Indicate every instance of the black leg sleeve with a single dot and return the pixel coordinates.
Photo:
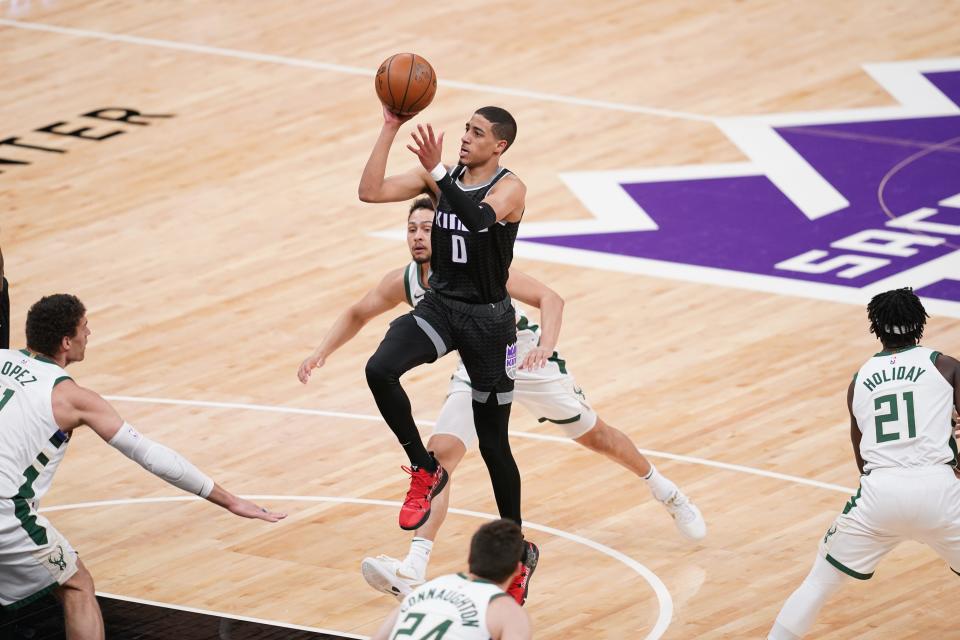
(4, 315)
(491, 420)
(404, 347)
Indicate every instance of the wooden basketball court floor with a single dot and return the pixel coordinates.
(215, 246)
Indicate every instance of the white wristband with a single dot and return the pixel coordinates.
(438, 172)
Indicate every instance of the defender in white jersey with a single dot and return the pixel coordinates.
(543, 385)
(901, 404)
(40, 406)
(473, 606)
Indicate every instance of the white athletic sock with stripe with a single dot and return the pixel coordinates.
(660, 487)
(419, 556)
(800, 610)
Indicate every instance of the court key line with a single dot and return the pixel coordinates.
(346, 69)
(521, 434)
(664, 600)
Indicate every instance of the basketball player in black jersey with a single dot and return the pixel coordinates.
(479, 207)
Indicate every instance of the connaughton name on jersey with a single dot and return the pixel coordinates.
(896, 373)
(464, 604)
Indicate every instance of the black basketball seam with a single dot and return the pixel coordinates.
(413, 59)
(387, 74)
(417, 101)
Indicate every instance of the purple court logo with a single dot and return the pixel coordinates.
(510, 362)
(835, 205)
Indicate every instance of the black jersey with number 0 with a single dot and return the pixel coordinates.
(471, 267)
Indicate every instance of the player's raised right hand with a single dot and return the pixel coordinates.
(308, 365)
(394, 119)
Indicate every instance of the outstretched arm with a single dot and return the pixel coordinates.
(531, 291)
(383, 297)
(505, 200)
(855, 434)
(374, 187)
(74, 406)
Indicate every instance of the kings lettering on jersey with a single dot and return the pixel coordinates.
(448, 220)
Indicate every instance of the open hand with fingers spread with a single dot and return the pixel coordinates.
(429, 146)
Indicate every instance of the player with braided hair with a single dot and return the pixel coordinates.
(901, 403)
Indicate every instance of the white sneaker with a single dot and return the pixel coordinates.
(686, 516)
(389, 576)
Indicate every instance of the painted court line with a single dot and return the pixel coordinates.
(664, 600)
(520, 434)
(220, 614)
(345, 69)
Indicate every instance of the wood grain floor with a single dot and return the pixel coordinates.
(213, 248)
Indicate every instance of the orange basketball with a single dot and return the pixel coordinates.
(406, 83)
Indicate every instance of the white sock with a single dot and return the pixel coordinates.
(800, 610)
(418, 557)
(660, 487)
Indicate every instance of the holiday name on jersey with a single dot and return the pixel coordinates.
(896, 373)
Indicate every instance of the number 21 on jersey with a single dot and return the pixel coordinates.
(887, 410)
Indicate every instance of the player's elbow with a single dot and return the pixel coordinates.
(366, 194)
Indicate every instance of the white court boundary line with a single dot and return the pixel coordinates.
(521, 434)
(345, 69)
(220, 614)
(664, 600)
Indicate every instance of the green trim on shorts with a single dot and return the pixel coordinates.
(852, 502)
(562, 364)
(567, 421)
(847, 570)
(31, 598)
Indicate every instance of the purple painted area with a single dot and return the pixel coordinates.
(946, 289)
(747, 224)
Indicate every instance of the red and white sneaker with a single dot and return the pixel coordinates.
(520, 586)
(423, 487)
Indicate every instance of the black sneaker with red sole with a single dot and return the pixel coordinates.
(520, 586)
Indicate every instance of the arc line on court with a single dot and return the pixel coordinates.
(520, 434)
(346, 69)
(664, 600)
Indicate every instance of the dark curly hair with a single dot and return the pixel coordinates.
(420, 203)
(50, 320)
(897, 317)
(495, 550)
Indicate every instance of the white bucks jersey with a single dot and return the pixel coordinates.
(903, 407)
(451, 607)
(528, 334)
(31, 443)
(413, 286)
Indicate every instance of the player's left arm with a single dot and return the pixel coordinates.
(504, 201)
(383, 633)
(529, 290)
(855, 434)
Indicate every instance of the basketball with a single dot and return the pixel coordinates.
(406, 83)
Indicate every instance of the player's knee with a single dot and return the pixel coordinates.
(379, 373)
(448, 450)
(80, 584)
